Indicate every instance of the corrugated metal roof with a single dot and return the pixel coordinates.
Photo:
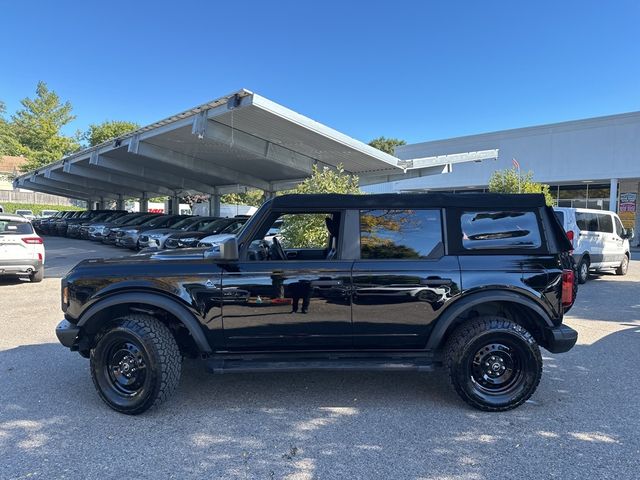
(237, 139)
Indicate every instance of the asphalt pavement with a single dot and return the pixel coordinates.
(583, 422)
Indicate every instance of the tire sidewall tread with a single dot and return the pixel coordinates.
(456, 351)
(164, 358)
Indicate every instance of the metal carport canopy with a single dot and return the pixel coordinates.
(241, 139)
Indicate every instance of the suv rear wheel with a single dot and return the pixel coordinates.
(37, 276)
(494, 364)
(583, 270)
(624, 265)
(136, 364)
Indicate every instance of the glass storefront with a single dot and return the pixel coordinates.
(587, 195)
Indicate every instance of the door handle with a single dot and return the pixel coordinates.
(326, 283)
(435, 282)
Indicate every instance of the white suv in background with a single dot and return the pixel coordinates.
(21, 249)
(599, 240)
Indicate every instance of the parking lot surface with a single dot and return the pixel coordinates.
(583, 422)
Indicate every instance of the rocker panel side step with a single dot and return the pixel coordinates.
(270, 364)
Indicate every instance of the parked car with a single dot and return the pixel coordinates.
(105, 218)
(110, 234)
(21, 249)
(221, 226)
(98, 231)
(61, 224)
(1, 209)
(599, 240)
(498, 266)
(47, 213)
(74, 227)
(48, 225)
(128, 237)
(156, 238)
(28, 214)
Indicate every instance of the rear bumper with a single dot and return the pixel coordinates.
(67, 334)
(17, 267)
(560, 339)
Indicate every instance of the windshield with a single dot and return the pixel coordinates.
(102, 216)
(24, 212)
(143, 219)
(156, 221)
(214, 226)
(9, 227)
(235, 227)
(185, 223)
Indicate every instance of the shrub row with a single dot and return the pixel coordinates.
(36, 208)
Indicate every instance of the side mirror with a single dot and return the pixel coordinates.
(628, 233)
(225, 250)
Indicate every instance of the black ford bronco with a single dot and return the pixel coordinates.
(473, 282)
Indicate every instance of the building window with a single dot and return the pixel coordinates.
(398, 234)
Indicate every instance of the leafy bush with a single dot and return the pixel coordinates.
(35, 208)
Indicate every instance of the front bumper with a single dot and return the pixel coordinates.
(127, 242)
(560, 339)
(67, 334)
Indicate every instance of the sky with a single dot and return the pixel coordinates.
(417, 71)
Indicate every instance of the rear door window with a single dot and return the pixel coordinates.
(587, 222)
(496, 230)
(560, 217)
(605, 223)
(398, 234)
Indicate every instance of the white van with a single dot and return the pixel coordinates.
(599, 240)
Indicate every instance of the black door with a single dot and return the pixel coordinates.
(402, 280)
(287, 305)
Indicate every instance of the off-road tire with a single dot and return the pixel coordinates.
(150, 340)
(624, 266)
(37, 276)
(583, 270)
(469, 342)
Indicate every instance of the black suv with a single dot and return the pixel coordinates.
(474, 282)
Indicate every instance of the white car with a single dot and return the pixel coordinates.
(21, 249)
(599, 240)
(26, 214)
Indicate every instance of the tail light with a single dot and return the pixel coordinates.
(40, 256)
(567, 288)
(570, 236)
(32, 240)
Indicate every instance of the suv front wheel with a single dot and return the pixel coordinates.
(135, 364)
(494, 364)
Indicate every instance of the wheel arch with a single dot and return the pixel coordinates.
(93, 318)
(512, 305)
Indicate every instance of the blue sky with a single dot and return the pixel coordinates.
(414, 70)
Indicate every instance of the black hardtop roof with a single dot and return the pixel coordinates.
(410, 200)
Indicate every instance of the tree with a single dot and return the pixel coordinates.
(37, 128)
(309, 230)
(511, 181)
(8, 143)
(107, 130)
(253, 198)
(387, 145)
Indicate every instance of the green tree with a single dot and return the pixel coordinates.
(387, 145)
(511, 181)
(253, 198)
(306, 231)
(108, 130)
(37, 128)
(8, 143)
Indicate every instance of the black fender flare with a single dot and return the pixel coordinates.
(449, 316)
(157, 300)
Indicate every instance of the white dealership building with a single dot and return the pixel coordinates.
(592, 163)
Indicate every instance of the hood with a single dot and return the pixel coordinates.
(162, 231)
(179, 235)
(160, 255)
(217, 238)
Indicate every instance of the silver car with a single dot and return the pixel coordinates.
(156, 238)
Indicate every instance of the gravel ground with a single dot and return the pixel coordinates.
(583, 422)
